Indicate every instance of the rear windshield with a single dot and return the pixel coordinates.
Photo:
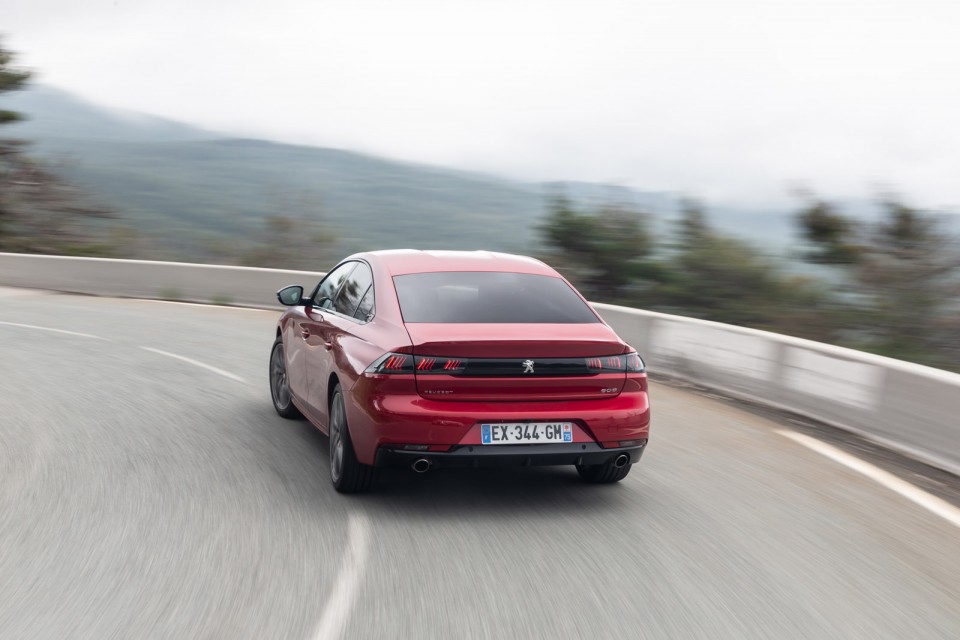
(489, 297)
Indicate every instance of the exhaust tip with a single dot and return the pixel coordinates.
(421, 466)
(621, 461)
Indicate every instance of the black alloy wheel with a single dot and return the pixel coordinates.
(279, 388)
(347, 474)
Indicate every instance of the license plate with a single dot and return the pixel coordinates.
(526, 432)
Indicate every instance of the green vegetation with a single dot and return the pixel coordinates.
(170, 293)
(695, 271)
(604, 251)
(895, 291)
(899, 279)
(213, 200)
(11, 79)
(39, 212)
(176, 193)
(194, 196)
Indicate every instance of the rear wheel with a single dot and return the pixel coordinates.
(279, 388)
(347, 473)
(603, 473)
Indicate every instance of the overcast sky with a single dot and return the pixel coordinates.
(733, 101)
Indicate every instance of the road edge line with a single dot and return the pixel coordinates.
(911, 492)
(51, 329)
(336, 612)
(197, 363)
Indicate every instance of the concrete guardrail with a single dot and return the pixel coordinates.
(212, 284)
(907, 407)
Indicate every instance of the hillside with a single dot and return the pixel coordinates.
(186, 194)
(54, 114)
(197, 195)
(191, 191)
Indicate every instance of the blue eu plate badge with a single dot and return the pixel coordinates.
(526, 432)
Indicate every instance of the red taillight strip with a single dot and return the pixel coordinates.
(395, 362)
(400, 363)
(439, 365)
(629, 362)
(392, 363)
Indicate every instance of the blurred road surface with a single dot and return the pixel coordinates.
(148, 490)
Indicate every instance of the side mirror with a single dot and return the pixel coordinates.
(291, 295)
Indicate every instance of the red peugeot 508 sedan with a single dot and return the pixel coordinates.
(457, 359)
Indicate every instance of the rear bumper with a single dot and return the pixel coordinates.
(386, 412)
(513, 455)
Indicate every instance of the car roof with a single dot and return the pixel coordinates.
(404, 261)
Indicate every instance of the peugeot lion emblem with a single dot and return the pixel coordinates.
(528, 366)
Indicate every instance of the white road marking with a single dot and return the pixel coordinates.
(69, 333)
(336, 613)
(225, 374)
(911, 492)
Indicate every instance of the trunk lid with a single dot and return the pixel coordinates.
(515, 362)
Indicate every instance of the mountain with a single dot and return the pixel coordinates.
(53, 114)
(191, 191)
(198, 195)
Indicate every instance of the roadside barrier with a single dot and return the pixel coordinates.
(907, 407)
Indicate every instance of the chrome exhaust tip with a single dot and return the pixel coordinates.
(621, 461)
(421, 466)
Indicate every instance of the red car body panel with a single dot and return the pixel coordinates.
(391, 416)
(324, 348)
(504, 340)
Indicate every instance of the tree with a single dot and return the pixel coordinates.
(612, 257)
(901, 285)
(294, 236)
(603, 252)
(693, 227)
(907, 232)
(11, 79)
(715, 277)
(832, 236)
(39, 212)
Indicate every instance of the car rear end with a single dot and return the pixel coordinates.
(503, 368)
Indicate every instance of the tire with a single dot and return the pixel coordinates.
(279, 388)
(347, 474)
(603, 473)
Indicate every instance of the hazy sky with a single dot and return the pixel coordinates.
(734, 101)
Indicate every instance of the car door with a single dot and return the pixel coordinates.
(305, 339)
(333, 332)
(295, 354)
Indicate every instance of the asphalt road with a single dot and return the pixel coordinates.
(147, 496)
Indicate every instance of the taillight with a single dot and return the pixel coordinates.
(629, 362)
(634, 363)
(403, 363)
(392, 363)
(436, 364)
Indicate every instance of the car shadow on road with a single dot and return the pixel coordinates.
(504, 492)
(507, 492)
(481, 492)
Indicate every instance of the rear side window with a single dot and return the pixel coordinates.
(489, 297)
(365, 309)
(328, 287)
(353, 290)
